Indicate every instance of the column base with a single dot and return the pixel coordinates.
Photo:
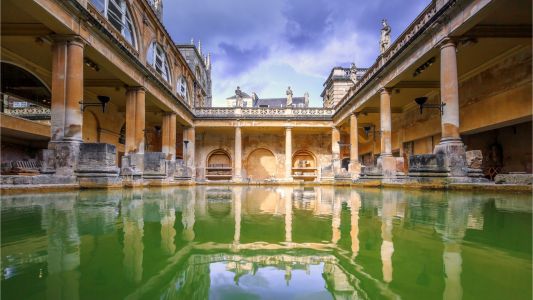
(454, 153)
(387, 164)
(67, 154)
(354, 168)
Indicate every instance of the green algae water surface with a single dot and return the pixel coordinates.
(266, 243)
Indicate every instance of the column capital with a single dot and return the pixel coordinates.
(136, 88)
(288, 128)
(385, 90)
(69, 38)
(448, 42)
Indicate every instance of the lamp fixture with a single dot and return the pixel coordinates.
(343, 145)
(102, 101)
(185, 142)
(421, 101)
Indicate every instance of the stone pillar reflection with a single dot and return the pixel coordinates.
(288, 153)
(237, 172)
(133, 226)
(387, 247)
(63, 257)
(355, 165)
(355, 199)
(188, 217)
(335, 149)
(336, 218)
(168, 218)
(168, 134)
(288, 214)
(237, 208)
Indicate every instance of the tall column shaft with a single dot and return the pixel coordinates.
(139, 120)
(74, 91)
(335, 149)
(237, 172)
(59, 76)
(354, 139)
(288, 153)
(172, 137)
(385, 120)
(449, 89)
(131, 100)
(188, 149)
(168, 134)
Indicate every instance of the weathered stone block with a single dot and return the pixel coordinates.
(66, 157)
(427, 163)
(514, 178)
(97, 158)
(155, 165)
(474, 159)
(454, 157)
(47, 158)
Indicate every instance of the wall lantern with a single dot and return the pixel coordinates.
(344, 145)
(102, 101)
(421, 101)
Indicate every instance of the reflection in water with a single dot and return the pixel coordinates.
(133, 225)
(266, 243)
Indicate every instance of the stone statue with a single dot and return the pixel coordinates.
(255, 98)
(289, 96)
(353, 73)
(384, 42)
(306, 99)
(238, 97)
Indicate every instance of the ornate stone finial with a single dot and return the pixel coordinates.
(238, 97)
(289, 96)
(200, 47)
(208, 61)
(306, 99)
(384, 42)
(192, 41)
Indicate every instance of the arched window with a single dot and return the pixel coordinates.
(182, 88)
(116, 11)
(156, 58)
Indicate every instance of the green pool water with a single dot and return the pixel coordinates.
(266, 243)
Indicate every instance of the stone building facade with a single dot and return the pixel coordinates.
(128, 106)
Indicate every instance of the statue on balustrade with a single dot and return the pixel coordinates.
(238, 97)
(289, 97)
(385, 36)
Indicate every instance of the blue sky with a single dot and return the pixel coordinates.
(267, 45)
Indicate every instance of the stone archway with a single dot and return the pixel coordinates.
(261, 164)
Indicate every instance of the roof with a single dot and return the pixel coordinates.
(279, 102)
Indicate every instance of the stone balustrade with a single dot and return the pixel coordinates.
(264, 113)
(30, 113)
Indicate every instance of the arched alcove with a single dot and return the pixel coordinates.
(304, 165)
(219, 165)
(261, 164)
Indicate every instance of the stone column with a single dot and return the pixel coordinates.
(451, 145)
(139, 120)
(67, 93)
(336, 217)
(335, 149)
(386, 161)
(188, 150)
(168, 133)
(354, 221)
(237, 169)
(74, 91)
(385, 121)
(237, 207)
(131, 100)
(288, 153)
(59, 78)
(288, 214)
(355, 165)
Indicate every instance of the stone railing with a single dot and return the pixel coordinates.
(30, 113)
(409, 35)
(263, 113)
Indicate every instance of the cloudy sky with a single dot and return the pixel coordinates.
(267, 45)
